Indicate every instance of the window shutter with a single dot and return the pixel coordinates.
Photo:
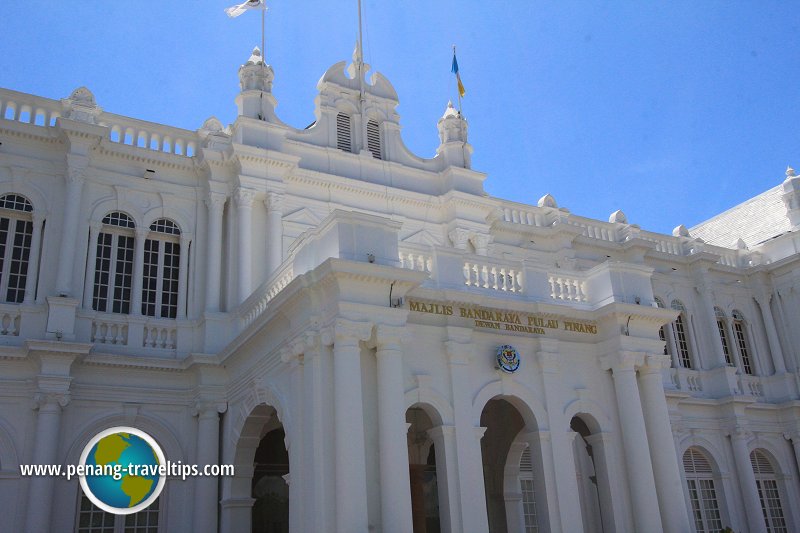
(374, 139)
(343, 132)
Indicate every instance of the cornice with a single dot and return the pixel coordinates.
(144, 155)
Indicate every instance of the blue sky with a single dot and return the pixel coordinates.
(671, 111)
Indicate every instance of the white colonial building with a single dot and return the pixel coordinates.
(322, 308)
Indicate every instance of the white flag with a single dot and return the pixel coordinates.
(235, 11)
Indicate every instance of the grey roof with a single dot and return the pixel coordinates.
(754, 221)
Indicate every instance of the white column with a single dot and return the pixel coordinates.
(470, 487)
(138, 272)
(794, 438)
(244, 208)
(566, 486)
(33, 259)
(69, 228)
(274, 204)
(666, 469)
(206, 496)
(317, 443)
(747, 480)
(351, 471)
(707, 302)
(646, 515)
(395, 484)
(772, 333)
(45, 448)
(608, 487)
(183, 274)
(444, 447)
(296, 444)
(215, 203)
(88, 282)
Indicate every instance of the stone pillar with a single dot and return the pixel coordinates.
(395, 496)
(747, 480)
(69, 225)
(666, 469)
(563, 457)
(33, 259)
(444, 447)
(470, 487)
(138, 272)
(609, 496)
(45, 452)
(183, 275)
(772, 333)
(215, 203)
(274, 204)
(707, 303)
(244, 206)
(351, 470)
(296, 443)
(641, 481)
(317, 404)
(794, 438)
(206, 496)
(88, 283)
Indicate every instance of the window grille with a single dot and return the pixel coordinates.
(741, 342)
(723, 335)
(768, 492)
(702, 493)
(527, 490)
(92, 519)
(681, 338)
(16, 232)
(161, 270)
(344, 127)
(113, 274)
(374, 139)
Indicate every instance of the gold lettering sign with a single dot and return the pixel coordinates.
(503, 320)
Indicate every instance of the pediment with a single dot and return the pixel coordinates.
(424, 237)
(304, 216)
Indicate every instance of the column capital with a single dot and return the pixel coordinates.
(209, 408)
(622, 361)
(58, 400)
(273, 201)
(792, 435)
(459, 237)
(739, 433)
(244, 197)
(215, 201)
(390, 337)
(655, 363)
(76, 170)
(351, 332)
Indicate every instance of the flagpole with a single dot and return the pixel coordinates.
(263, 46)
(360, 70)
(458, 92)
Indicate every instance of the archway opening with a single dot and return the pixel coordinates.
(270, 483)
(586, 471)
(503, 423)
(423, 472)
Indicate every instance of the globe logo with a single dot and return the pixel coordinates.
(124, 470)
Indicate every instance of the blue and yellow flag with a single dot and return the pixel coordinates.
(454, 70)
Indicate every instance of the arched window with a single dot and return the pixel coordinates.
(681, 335)
(162, 251)
(662, 335)
(344, 132)
(768, 492)
(527, 491)
(374, 139)
(740, 332)
(16, 232)
(92, 519)
(723, 334)
(113, 271)
(702, 492)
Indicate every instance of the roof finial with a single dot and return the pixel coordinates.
(790, 173)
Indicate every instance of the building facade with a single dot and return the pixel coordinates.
(374, 342)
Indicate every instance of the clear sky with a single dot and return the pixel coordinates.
(672, 111)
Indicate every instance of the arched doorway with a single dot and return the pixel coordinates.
(423, 470)
(512, 478)
(270, 483)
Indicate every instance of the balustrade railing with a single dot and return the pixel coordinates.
(494, 277)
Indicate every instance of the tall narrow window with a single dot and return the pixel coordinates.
(723, 334)
(344, 128)
(528, 495)
(162, 252)
(374, 139)
(681, 336)
(768, 493)
(16, 231)
(702, 493)
(92, 519)
(114, 264)
(741, 342)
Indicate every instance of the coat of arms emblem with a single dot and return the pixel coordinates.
(508, 358)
